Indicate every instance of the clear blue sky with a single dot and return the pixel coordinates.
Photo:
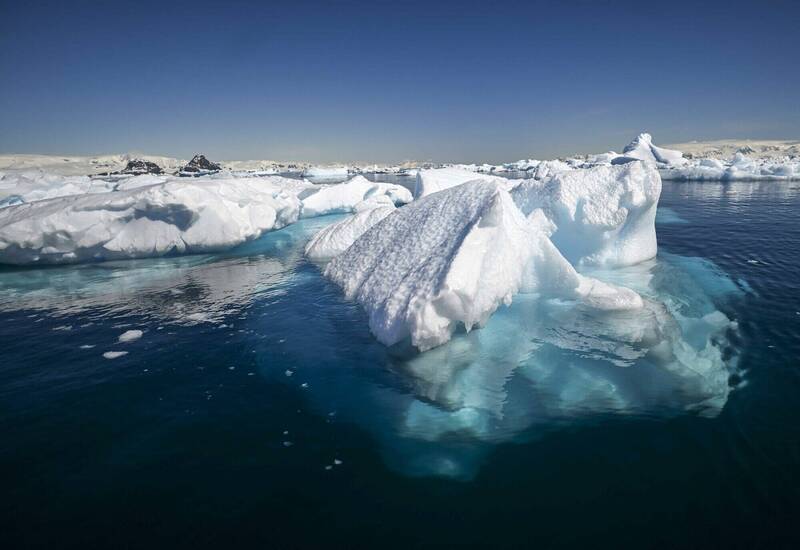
(386, 81)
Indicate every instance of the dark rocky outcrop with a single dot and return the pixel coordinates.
(199, 165)
(136, 167)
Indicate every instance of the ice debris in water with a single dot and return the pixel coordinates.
(130, 335)
(114, 354)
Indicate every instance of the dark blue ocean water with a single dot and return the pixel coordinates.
(257, 410)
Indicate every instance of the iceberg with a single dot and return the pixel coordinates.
(439, 179)
(642, 148)
(172, 217)
(740, 167)
(601, 216)
(149, 215)
(341, 198)
(450, 260)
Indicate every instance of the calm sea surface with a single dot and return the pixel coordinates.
(257, 409)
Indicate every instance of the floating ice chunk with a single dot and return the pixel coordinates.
(451, 259)
(204, 214)
(603, 215)
(114, 354)
(130, 335)
(344, 197)
(431, 181)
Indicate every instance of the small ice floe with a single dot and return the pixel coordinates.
(288, 372)
(63, 328)
(304, 385)
(87, 346)
(337, 462)
(287, 443)
(231, 368)
(114, 354)
(130, 336)
(329, 467)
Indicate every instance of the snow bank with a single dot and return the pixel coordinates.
(602, 216)
(343, 197)
(450, 260)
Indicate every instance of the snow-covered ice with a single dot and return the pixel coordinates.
(601, 216)
(337, 237)
(154, 215)
(343, 197)
(642, 148)
(451, 259)
(325, 172)
(433, 180)
(173, 217)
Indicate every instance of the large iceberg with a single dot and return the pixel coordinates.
(450, 259)
(156, 216)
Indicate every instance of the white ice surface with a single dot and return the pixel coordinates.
(602, 216)
(342, 198)
(130, 335)
(643, 149)
(325, 172)
(451, 259)
(431, 181)
(157, 215)
(337, 237)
